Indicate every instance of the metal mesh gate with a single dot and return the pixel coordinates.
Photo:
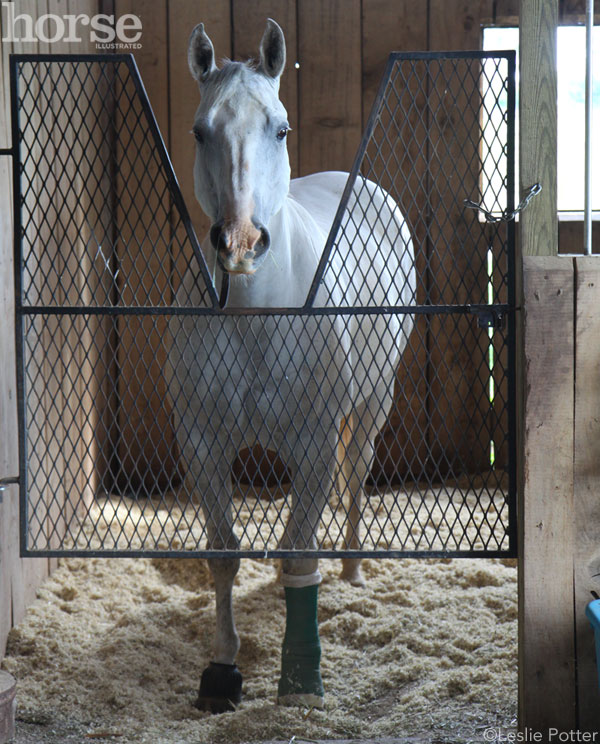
(102, 246)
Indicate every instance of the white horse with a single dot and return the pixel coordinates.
(294, 380)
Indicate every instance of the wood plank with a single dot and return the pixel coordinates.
(587, 483)
(506, 12)
(546, 540)
(388, 27)
(5, 591)
(61, 451)
(457, 251)
(570, 237)
(9, 562)
(537, 121)
(25, 574)
(574, 12)
(401, 450)
(146, 439)
(73, 437)
(8, 413)
(91, 216)
(330, 105)
(249, 19)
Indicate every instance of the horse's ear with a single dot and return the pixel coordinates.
(201, 54)
(272, 50)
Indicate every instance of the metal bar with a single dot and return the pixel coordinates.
(452, 54)
(587, 205)
(512, 321)
(270, 553)
(18, 280)
(98, 57)
(499, 309)
(12, 481)
(7, 151)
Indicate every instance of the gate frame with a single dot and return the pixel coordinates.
(488, 315)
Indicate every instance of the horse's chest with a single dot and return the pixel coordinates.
(267, 371)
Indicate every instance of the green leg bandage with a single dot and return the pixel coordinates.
(300, 682)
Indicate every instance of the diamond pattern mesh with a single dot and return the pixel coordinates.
(120, 357)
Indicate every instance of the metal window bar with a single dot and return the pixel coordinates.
(102, 241)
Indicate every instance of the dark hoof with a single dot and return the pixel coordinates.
(220, 688)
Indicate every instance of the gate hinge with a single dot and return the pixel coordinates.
(489, 316)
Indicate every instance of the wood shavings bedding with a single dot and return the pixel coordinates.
(467, 514)
(118, 645)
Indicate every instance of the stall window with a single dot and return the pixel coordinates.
(571, 92)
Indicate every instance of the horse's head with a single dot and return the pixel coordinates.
(242, 171)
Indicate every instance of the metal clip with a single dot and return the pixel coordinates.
(506, 216)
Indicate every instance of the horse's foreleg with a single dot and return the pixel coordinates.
(300, 682)
(221, 683)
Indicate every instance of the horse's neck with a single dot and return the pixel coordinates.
(285, 276)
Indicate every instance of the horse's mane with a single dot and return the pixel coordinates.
(233, 67)
(233, 73)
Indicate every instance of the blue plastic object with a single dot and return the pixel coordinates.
(593, 613)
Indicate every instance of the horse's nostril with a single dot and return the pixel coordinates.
(265, 240)
(216, 234)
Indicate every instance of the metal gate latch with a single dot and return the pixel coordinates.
(506, 216)
(488, 317)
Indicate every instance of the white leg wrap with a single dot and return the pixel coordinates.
(297, 581)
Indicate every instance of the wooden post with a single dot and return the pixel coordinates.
(537, 115)
(546, 648)
(546, 644)
(8, 690)
(586, 483)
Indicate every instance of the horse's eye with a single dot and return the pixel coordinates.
(198, 135)
(282, 133)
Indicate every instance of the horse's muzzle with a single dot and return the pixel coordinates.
(240, 248)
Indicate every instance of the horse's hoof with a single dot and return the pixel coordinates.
(351, 572)
(220, 688)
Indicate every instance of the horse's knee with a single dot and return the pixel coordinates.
(223, 569)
